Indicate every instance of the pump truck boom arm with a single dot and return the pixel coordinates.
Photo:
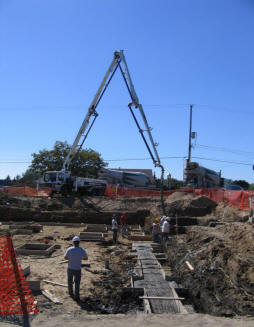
(116, 62)
(91, 112)
(118, 59)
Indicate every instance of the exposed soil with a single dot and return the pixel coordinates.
(222, 282)
(101, 291)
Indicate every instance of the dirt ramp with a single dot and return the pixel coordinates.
(188, 204)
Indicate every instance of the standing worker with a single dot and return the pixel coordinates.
(123, 220)
(114, 228)
(165, 230)
(163, 218)
(156, 231)
(74, 255)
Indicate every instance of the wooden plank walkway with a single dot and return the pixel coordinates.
(154, 284)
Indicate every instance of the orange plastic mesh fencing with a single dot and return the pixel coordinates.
(26, 190)
(237, 199)
(15, 295)
(113, 191)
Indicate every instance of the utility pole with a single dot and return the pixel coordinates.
(190, 135)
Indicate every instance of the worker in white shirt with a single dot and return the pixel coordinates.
(162, 221)
(165, 230)
(114, 228)
(74, 255)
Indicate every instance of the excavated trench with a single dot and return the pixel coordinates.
(212, 286)
(111, 292)
(86, 216)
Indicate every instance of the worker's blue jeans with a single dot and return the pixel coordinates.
(76, 274)
(114, 235)
(164, 237)
(156, 238)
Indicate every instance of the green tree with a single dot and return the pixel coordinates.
(245, 185)
(84, 163)
(29, 177)
(251, 187)
(175, 183)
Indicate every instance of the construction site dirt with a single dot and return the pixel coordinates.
(216, 243)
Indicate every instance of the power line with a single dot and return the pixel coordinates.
(159, 105)
(147, 158)
(226, 161)
(233, 151)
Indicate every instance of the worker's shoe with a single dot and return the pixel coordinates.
(77, 298)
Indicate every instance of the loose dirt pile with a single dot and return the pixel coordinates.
(189, 205)
(222, 282)
(230, 214)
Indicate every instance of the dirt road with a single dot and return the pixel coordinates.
(141, 320)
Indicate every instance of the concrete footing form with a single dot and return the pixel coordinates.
(95, 237)
(159, 296)
(35, 249)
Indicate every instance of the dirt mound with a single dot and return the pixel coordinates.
(222, 282)
(189, 204)
(228, 214)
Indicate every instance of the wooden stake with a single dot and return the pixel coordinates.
(54, 283)
(51, 297)
(189, 265)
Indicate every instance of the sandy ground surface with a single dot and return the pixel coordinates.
(141, 320)
(96, 280)
(222, 282)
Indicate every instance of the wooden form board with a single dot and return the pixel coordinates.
(158, 295)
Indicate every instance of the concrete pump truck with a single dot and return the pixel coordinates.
(62, 181)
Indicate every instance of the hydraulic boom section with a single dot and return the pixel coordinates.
(118, 61)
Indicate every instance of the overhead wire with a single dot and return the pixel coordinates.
(164, 158)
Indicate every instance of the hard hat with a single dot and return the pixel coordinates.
(76, 239)
(157, 220)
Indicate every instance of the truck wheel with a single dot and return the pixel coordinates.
(64, 190)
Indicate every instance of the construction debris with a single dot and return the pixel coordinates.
(51, 297)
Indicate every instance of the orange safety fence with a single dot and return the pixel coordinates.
(27, 190)
(237, 199)
(15, 295)
(113, 191)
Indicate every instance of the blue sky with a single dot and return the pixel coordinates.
(54, 53)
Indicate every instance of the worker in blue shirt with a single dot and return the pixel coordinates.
(74, 255)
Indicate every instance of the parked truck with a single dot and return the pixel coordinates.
(200, 177)
(123, 178)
